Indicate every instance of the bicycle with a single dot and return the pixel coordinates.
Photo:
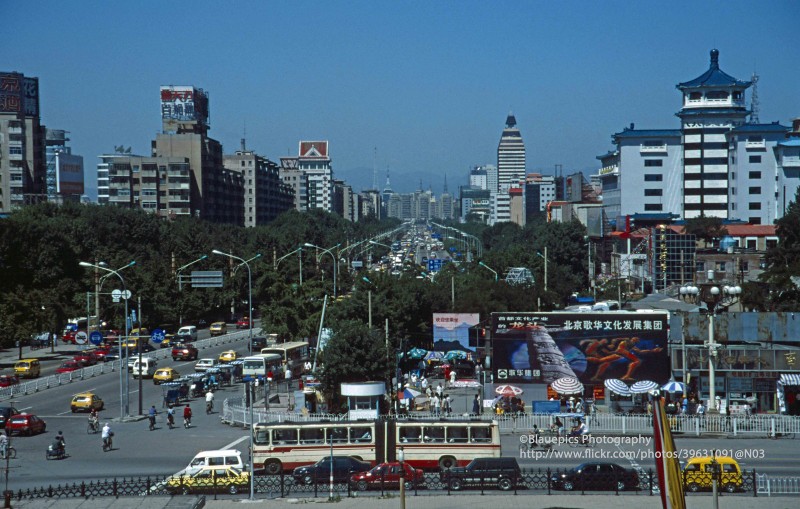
(152, 422)
(10, 453)
(94, 427)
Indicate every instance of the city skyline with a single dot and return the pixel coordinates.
(419, 89)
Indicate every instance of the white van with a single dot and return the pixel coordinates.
(187, 333)
(203, 459)
(145, 367)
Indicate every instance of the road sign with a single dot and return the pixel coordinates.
(206, 279)
(157, 335)
(434, 265)
(96, 338)
(81, 337)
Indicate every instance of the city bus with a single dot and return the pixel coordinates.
(260, 365)
(427, 443)
(293, 353)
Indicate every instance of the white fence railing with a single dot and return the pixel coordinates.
(766, 485)
(235, 412)
(39, 384)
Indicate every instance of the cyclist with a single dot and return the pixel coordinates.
(94, 420)
(106, 436)
(580, 430)
(171, 416)
(209, 401)
(152, 416)
(59, 445)
(187, 416)
(557, 426)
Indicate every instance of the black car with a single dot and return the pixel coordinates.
(319, 472)
(502, 473)
(5, 413)
(259, 342)
(596, 476)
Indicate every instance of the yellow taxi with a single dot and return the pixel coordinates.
(698, 473)
(218, 328)
(165, 375)
(210, 479)
(228, 356)
(86, 401)
(169, 340)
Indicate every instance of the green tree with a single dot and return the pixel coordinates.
(707, 229)
(783, 261)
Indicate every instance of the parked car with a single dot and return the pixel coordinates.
(698, 474)
(69, 366)
(86, 401)
(211, 479)
(86, 357)
(203, 364)
(8, 380)
(343, 468)
(5, 413)
(596, 476)
(185, 352)
(25, 424)
(243, 323)
(502, 473)
(387, 475)
(218, 329)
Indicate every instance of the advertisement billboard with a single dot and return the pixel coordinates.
(70, 173)
(592, 347)
(451, 331)
(184, 103)
(19, 94)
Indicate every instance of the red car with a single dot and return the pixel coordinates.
(184, 352)
(69, 366)
(388, 476)
(8, 380)
(87, 358)
(243, 323)
(25, 424)
(101, 353)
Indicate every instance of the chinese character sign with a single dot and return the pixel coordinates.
(543, 347)
(451, 331)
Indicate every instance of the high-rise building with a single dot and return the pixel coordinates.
(510, 167)
(314, 162)
(787, 160)
(539, 191)
(23, 165)
(713, 104)
(266, 196)
(64, 177)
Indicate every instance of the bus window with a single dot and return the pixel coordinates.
(481, 434)
(338, 435)
(311, 436)
(361, 435)
(410, 434)
(456, 434)
(283, 436)
(261, 437)
(434, 434)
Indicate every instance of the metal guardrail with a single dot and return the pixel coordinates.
(39, 384)
(234, 412)
(766, 485)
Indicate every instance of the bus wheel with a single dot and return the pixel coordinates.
(273, 467)
(447, 462)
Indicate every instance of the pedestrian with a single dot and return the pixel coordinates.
(649, 408)
(288, 376)
(452, 378)
(579, 406)
(476, 405)
(436, 404)
(439, 389)
(424, 383)
(593, 412)
(569, 404)
(684, 405)
(700, 410)
(448, 403)
(428, 392)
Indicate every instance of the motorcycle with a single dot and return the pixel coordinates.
(107, 442)
(56, 453)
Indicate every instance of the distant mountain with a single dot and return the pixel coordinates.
(446, 346)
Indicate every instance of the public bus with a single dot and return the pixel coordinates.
(427, 443)
(293, 353)
(260, 365)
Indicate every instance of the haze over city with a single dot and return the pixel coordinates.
(416, 88)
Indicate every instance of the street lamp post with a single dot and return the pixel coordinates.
(299, 252)
(489, 268)
(369, 298)
(333, 257)
(713, 296)
(249, 290)
(544, 256)
(180, 286)
(123, 398)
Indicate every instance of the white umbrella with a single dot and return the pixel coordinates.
(617, 386)
(644, 386)
(567, 385)
(672, 386)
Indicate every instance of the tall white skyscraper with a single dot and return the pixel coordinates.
(510, 167)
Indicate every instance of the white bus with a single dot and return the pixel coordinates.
(293, 353)
(428, 444)
(260, 365)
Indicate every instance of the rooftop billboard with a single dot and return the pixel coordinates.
(184, 104)
(592, 347)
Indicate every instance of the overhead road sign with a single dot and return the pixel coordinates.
(206, 279)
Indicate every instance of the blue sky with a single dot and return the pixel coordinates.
(421, 88)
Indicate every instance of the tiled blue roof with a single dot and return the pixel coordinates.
(794, 142)
(761, 128)
(607, 154)
(647, 133)
(714, 77)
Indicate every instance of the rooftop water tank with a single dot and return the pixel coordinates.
(726, 244)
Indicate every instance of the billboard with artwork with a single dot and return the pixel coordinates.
(543, 347)
(451, 331)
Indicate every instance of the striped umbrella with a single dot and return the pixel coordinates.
(617, 386)
(455, 354)
(644, 386)
(672, 386)
(567, 385)
(416, 353)
(434, 356)
(508, 390)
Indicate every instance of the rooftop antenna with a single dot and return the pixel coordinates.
(244, 135)
(754, 106)
(374, 168)
(445, 184)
